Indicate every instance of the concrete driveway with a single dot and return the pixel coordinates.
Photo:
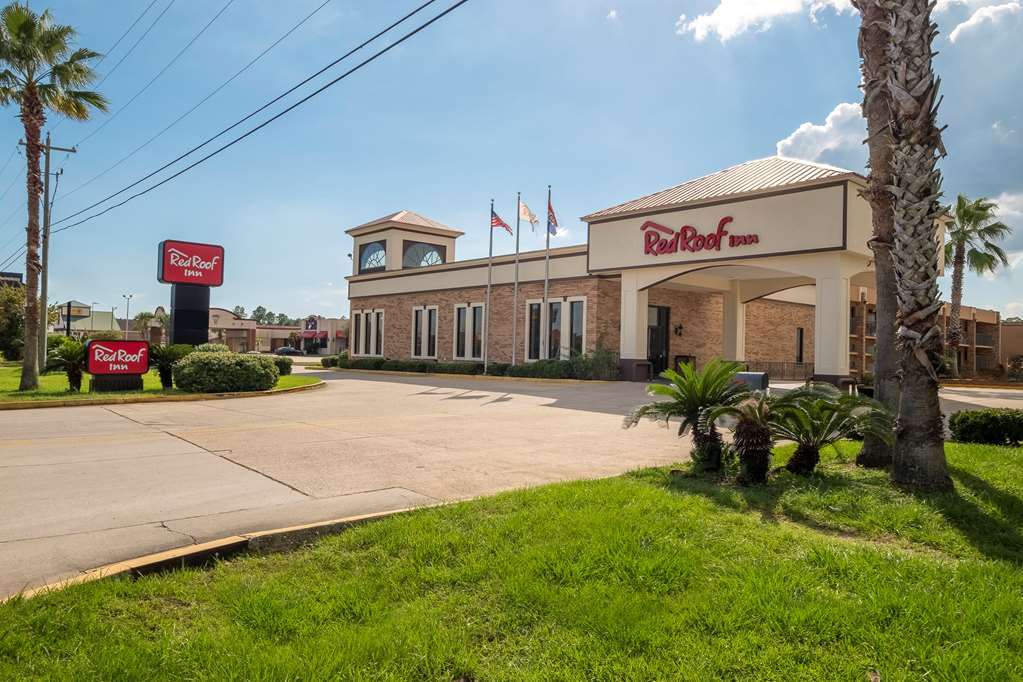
(86, 486)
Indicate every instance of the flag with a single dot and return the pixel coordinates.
(495, 221)
(527, 215)
(552, 220)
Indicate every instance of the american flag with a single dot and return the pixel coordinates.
(552, 220)
(495, 221)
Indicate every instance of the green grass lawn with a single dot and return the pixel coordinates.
(54, 386)
(645, 576)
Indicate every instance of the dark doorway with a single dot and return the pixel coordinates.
(658, 318)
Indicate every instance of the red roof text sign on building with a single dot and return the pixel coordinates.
(658, 239)
(117, 357)
(191, 263)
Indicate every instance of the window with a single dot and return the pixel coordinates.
(368, 332)
(372, 256)
(799, 345)
(469, 331)
(421, 255)
(552, 335)
(424, 332)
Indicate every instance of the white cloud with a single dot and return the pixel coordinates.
(1010, 212)
(993, 14)
(734, 17)
(612, 15)
(838, 140)
(1002, 131)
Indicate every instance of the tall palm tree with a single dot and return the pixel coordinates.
(40, 72)
(919, 454)
(874, 37)
(970, 241)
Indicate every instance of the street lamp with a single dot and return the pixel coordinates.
(127, 313)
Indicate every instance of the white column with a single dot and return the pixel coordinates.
(831, 327)
(633, 318)
(733, 331)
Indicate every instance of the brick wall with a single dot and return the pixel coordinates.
(771, 330)
(701, 316)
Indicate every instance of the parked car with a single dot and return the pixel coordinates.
(287, 350)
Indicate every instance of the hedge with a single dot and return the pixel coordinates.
(579, 367)
(329, 361)
(283, 364)
(993, 426)
(212, 348)
(220, 372)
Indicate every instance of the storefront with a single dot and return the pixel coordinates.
(324, 335)
(759, 262)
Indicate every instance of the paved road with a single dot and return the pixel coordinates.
(85, 486)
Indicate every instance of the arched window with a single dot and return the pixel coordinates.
(372, 257)
(420, 255)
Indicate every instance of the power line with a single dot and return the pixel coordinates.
(273, 118)
(11, 260)
(201, 102)
(136, 43)
(8, 161)
(250, 115)
(145, 87)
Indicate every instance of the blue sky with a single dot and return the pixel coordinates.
(606, 101)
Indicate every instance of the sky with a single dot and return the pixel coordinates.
(605, 101)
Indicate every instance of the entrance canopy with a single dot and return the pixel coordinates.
(748, 231)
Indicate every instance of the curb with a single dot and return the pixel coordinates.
(1010, 387)
(273, 540)
(125, 400)
(477, 377)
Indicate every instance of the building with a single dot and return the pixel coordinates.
(1011, 342)
(243, 335)
(14, 279)
(765, 262)
(324, 335)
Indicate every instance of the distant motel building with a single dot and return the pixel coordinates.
(765, 262)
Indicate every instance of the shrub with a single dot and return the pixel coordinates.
(458, 368)
(343, 362)
(70, 356)
(219, 372)
(105, 336)
(543, 369)
(993, 426)
(212, 348)
(366, 363)
(164, 357)
(283, 364)
(54, 343)
(582, 366)
(329, 361)
(498, 369)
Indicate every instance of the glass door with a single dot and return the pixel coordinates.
(658, 318)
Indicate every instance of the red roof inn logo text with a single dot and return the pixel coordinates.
(658, 239)
(117, 357)
(191, 263)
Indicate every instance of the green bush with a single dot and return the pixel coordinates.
(54, 343)
(329, 361)
(283, 364)
(458, 368)
(164, 357)
(219, 372)
(105, 336)
(366, 363)
(212, 348)
(498, 369)
(343, 362)
(71, 357)
(994, 426)
(543, 369)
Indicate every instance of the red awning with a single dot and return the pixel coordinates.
(340, 335)
(309, 334)
(321, 335)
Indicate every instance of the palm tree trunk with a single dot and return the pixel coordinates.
(804, 460)
(32, 118)
(919, 456)
(877, 109)
(955, 326)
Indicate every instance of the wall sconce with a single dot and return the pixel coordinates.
(678, 329)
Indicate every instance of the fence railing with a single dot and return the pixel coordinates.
(784, 371)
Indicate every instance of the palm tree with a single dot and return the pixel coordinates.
(970, 241)
(820, 415)
(40, 72)
(874, 37)
(689, 394)
(142, 323)
(753, 432)
(919, 454)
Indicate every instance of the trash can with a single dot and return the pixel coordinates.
(758, 381)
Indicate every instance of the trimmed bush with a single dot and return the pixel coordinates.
(329, 361)
(993, 426)
(343, 362)
(366, 363)
(458, 368)
(498, 369)
(212, 348)
(219, 372)
(283, 364)
(543, 369)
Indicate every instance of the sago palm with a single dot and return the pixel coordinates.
(753, 431)
(687, 395)
(820, 415)
(971, 241)
(40, 71)
(919, 454)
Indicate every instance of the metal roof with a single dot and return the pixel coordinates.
(749, 178)
(407, 218)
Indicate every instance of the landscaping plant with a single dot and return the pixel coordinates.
(821, 415)
(688, 394)
(219, 372)
(753, 432)
(70, 356)
(212, 348)
(994, 426)
(164, 357)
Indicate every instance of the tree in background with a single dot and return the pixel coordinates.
(874, 36)
(258, 314)
(12, 322)
(40, 71)
(919, 454)
(141, 323)
(970, 242)
(239, 311)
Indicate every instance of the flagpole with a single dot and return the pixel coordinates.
(545, 333)
(515, 294)
(490, 279)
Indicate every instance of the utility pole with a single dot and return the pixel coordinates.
(127, 314)
(44, 275)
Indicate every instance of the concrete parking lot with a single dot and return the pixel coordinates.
(86, 486)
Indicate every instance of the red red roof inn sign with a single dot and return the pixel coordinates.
(191, 263)
(117, 357)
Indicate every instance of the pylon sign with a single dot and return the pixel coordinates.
(191, 268)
